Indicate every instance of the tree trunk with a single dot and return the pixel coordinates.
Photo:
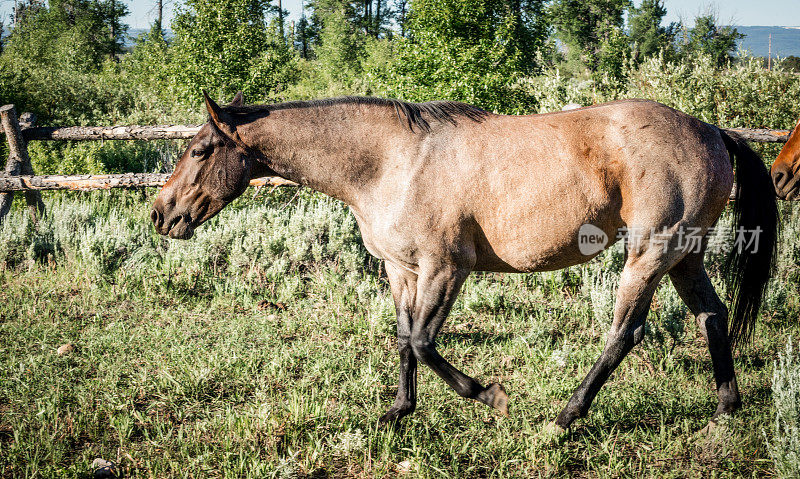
(280, 18)
(18, 163)
(377, 21)
(367, 16)
(160, 18)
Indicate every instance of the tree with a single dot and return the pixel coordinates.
(79, 32)
(584, 25)
(157, 30)
(53, 59)
(791, 63)
(469, 50)
(225, 46)
(709, 39)
(401, 15)
(647, 36)
(340, 44)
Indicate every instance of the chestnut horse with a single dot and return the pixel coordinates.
(441, 189)
(784, 170)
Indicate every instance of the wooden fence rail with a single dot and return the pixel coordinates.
(104, 182)
(132, 132)
(179, 132)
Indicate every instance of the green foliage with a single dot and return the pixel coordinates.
(473, 51)
(746, 95)
(226, 46)
(784, 446)
(791, 63)
(707, 38)
(646, 34)
(341, 47)
(76, 158)
(584, 26)
(58, 60)
(74, 34)
(613, 63)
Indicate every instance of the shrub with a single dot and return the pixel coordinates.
(784, 447)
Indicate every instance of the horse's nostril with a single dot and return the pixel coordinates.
(156, 217)
(780, 177)
(777, 178)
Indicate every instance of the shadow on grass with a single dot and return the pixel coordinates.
(481, 337)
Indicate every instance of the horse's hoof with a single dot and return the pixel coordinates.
(393, 416)
(498, 398)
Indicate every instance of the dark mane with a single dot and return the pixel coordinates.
(414, 114)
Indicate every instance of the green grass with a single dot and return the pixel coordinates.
(265, 347)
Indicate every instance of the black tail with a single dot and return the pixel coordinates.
(748, 269)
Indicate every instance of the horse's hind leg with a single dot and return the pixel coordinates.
(638, 282)
(692, 283)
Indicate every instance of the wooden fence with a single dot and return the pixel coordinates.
(19, 176)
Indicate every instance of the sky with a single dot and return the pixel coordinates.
(735, 12)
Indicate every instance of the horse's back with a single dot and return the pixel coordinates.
(511, 193)
(629, 163)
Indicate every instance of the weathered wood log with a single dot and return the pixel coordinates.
(178, 132)
(104, 182)
(132, 132)
(762, 135)
(18, 162)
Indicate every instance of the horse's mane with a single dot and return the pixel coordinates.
(414, 113)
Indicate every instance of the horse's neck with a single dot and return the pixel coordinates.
(331, 150)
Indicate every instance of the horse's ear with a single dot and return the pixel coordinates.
(223, 121)
(220, 118)
(214, 111)
(238, 100)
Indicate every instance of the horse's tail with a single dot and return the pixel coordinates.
(749, 265)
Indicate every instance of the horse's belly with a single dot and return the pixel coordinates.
(545, 242)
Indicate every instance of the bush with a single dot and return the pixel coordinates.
(784, 448)
(226, 46)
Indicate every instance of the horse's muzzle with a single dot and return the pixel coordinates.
(785, 182)
(177, 227)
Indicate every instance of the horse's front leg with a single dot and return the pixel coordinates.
(437, 288)
(404, 288)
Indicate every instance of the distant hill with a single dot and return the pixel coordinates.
(133, 33)
(785, 40)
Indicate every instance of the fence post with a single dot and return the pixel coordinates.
(19, 163)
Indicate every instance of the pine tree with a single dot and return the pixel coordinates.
(709, 39)
(646, 34)
(585, 25)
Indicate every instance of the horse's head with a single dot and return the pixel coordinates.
(785, 174)
(213, 171)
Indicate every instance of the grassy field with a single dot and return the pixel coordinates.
(264, 347)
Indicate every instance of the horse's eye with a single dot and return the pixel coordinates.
(197, 153)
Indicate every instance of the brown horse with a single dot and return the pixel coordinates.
(441, 189)
(784, 170)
